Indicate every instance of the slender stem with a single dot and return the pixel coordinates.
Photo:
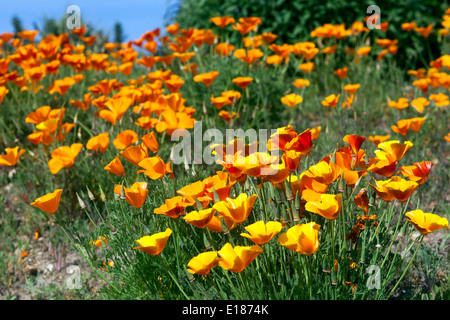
(407, 268)
(89, 261)
(173, 277)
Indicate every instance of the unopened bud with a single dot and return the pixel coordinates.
(81, 202)
(90, 195)
(102, 195)
(122, 193)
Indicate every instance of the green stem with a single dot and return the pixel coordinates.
(407, 268)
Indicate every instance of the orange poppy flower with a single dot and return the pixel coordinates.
(301, 83)
(173, 28)
(83, 104)
(440, 99)
(341, 73)
(402, 103)
(28, 34)
(64, 157)
(155, 243)
(222, 22)
(184, 57)
(354, 141)
(115, 167)
(48, 203)
(99, 242)
(376, 139)
(224, 49)
(236, 210)
(408, 26)
(404, 125)
(352, 88)
(328, 207)
(291, 100)
(155, 168)
(301, 143)
(242, 82)
(135, 195)
(220, 102)
(307, 67)
(238, 258)
(381, 190)
(393, 150)
(399, 188)
(200, 218)
(364, 51)
(424, 31)
(331, 101)
(301, 238)
(116, 108)
(315, 132)
(228, 116)
(125, 138)
(420, 103)
(3, 93)
(422, 84)
(174, 83)
(173, 207)
(61, 85)
(291, 159)
(426, 223)
(384, 167)
(244, 28)
(203, 263)
(11, 157)
(261, 233)
(98, 143)
(418, 172)
(330, 50)
(206, 78)
(150, 141)
(248, 56)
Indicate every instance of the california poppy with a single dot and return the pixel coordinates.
(301, 238)
(125, 139)
(200, 218)
(426, 223)
(150, 141)
(49, 202)
(248, 56)
(135, 195)
(237, 210)
(242, 82)
(155, 243)
(331, 101)
(418, 172)
(98, 143)
(206, 78)
(291, 100)
(261, 233)
(328, 207)
(173, 207)
(203, 263)
(222, 22)
(238, 258)
(115, 167)
(64, 157)
(155, 168)
(11, 157)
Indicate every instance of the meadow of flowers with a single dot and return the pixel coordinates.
(339, 206)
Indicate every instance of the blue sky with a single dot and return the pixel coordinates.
(136, 16)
